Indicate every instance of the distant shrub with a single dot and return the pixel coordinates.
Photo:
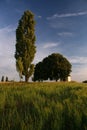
(2, 79)
(85, 81)
(6, 79)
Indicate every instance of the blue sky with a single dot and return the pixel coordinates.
(61, 27)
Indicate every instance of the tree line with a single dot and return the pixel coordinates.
(53, 67)
(4, 79)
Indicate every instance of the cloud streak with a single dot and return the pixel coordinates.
(67, 15)
(45, 50)
(65, 34)
(39, 16)
(50, 45)
(78, 60)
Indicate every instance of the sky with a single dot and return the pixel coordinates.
(61, 27)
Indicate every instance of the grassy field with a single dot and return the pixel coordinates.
(43, 106)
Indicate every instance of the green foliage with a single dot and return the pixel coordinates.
(19, 66)
(53, 67)
(39, 72)
(25, 45)
(43, 106)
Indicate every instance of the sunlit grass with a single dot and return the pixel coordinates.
(43, 106)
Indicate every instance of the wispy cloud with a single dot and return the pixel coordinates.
(39, 16)
(7, 29)
(67, 15)
(79, 73)
(7, 50)
(50, 45)
(79, 67)
(78, 60)
(45, 50)
(65, 34)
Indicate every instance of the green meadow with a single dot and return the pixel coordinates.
(43, 106)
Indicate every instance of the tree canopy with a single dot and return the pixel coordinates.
(53, 67)
(25, 45)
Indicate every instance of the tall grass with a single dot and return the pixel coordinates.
(43, 106)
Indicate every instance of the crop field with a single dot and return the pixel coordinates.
(43, 106)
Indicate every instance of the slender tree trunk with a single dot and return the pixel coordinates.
(26, 78)
(56, 80)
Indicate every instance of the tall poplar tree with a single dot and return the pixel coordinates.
(25, 45)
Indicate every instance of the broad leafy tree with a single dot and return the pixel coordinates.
(38, 72)
(25, 45)
(53, 67)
